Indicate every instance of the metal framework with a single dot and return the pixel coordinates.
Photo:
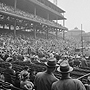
(17, 9)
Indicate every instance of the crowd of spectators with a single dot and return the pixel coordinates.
(10, 9)
(24, 48)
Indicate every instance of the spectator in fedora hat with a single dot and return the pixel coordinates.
(44, 80)
(66, 82)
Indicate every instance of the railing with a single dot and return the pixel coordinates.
(84, 76)
(6, 85)
(19, 67)
(84, 79)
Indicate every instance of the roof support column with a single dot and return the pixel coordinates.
(3, 25)
(15, 6)
(47, 16)
(15, 28)
(9, 26)
(47, 30)
(56, 33)
(35, 31)
(56, 30)
(63, 31)
(35, 11)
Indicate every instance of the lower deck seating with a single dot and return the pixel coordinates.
(6, 85)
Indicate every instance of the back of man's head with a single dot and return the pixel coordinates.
(51, 64)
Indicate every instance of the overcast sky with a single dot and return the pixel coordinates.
(77, 13)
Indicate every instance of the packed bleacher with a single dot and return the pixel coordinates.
(23, 56)
(26, 51)
(10, 9)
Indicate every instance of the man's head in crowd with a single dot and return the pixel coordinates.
(9, 65)
(26, 68)
(51, 64)
(65, 69)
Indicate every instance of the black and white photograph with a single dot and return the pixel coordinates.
(44, 44)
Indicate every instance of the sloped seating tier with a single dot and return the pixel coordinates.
(83, 69)
(18, 66)
(6, 86)
(80, 71)
(9, 9)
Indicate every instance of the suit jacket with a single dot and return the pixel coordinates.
(7, 74)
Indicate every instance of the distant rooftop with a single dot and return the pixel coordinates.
(76, 30)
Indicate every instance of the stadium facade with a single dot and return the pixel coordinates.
(31, 15)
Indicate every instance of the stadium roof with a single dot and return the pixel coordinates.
(43, 8)
(51, 5)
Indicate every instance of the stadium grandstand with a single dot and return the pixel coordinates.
(26, 15)
(27, 39)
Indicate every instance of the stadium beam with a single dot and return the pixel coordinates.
(35, 13)
(47, 29)
(35, 30)
(56, 28)
(47, 33)
(56, 33)
(15, 6)
(63, 30)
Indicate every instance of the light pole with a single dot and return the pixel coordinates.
(81, 41)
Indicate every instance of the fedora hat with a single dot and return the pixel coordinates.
(51, 62)
(64, 67)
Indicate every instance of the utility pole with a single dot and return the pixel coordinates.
(81, 41)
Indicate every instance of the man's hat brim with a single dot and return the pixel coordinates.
(70, 70)
(51, 66)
